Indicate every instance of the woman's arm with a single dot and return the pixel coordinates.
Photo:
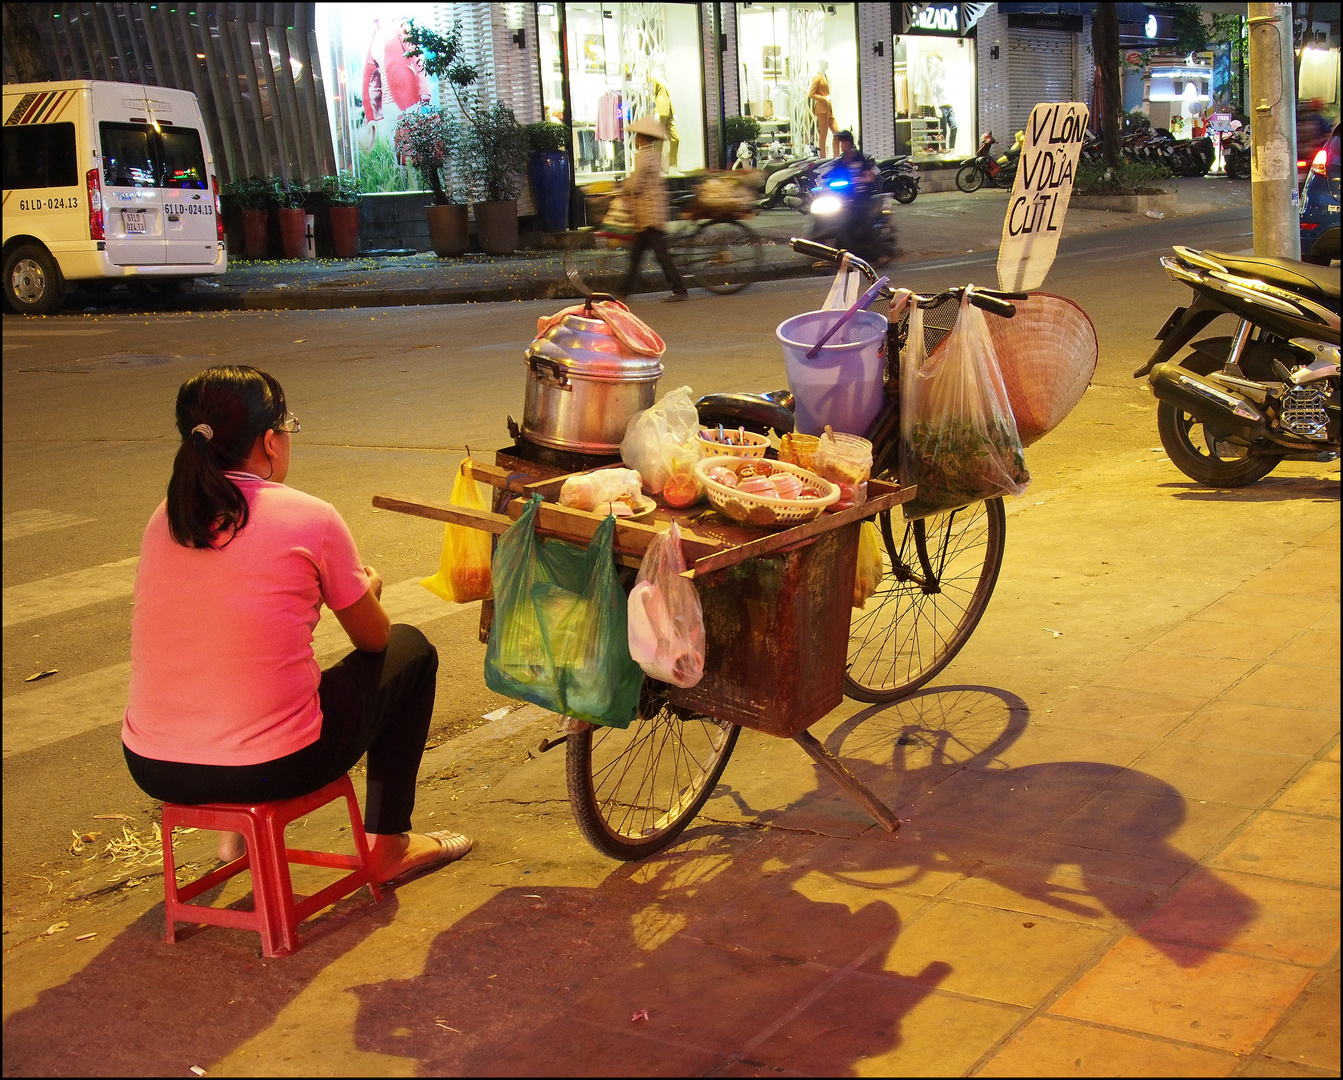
(365, 620)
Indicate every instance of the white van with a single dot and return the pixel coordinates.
(105, 180)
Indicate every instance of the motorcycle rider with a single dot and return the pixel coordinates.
(862, 203)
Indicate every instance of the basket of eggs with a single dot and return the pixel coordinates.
(754, 491)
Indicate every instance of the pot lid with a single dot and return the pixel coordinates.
(600, 339)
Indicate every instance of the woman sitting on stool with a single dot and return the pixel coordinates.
(227, 702)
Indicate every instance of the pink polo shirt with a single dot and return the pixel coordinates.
(222, 668)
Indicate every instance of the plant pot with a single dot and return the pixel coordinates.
(548, 174)
(345, 231)
(293, 238)
(447, 229)
(497, 226)
(256, 233)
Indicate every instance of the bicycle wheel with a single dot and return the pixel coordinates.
(721, 256)
(939, 574)
(634, 791)
(595, 267)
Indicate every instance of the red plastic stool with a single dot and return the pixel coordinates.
(276, 913)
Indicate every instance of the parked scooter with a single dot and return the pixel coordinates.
(984, 168)
(1236, 151)
(1234, 407)
(789, 187)
(899, 178)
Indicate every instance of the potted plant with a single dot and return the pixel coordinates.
(341, 193)
(548, 173)
(494, 158)
(738, 130)
(427, 140)
(431, 144)
(289, 197)
(252, 196)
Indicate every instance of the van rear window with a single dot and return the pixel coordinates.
(40, 156)
(183, 159)
(128, 155)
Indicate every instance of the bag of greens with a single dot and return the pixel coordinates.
(959, 440)
(559, 637)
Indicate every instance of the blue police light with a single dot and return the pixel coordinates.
(839, 183)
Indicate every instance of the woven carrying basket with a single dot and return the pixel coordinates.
(1047, 353)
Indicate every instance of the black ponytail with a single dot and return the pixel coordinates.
(220, 413)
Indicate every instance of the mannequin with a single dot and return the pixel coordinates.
(936, 74)
(662, 105)
(819, 97)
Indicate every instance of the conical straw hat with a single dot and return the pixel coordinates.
(1047, 354)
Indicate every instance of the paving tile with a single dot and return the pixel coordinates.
(1154, 670)
(921, 865)
(1213, 773)
(570, 1047)
(1060, 894)
(1328, 621)
(1195, 638)
(1311, 1034)
(748, 993)
(1216, 999)
(929, 856)
(868, 1025)
(1137, 712)
(1019, 802)
(1317, 792)
(1157, 825)
(1286, 846)
(1289, 685)
(1242, 609)
(1266, 1066)
(1259, 727)
(812, 917)
(1333, 754)
(987, 953)
(1049, 1046)
(1097, 866)
(1314, 648)
(1054, 744)
(1278, 920)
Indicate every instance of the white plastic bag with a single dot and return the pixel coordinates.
(666, 622)
(846, 288)
(959, 439)
(663, 439)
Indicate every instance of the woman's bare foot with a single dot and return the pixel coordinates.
(232, 846)
(398, 854)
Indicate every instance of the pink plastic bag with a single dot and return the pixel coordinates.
(666, 622)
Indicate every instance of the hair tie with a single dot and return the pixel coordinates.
(204, 429)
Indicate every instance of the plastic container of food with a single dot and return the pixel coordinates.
(798, 449)
(846, 461)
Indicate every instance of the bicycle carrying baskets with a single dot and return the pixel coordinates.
(726, 193)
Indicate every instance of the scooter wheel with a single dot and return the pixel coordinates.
(969, 178)
(905, 193)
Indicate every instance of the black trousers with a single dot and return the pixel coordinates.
(657, 240)
(374, 703)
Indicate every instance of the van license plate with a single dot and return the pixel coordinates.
(133, 221)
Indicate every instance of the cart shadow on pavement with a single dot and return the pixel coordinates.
(142, 1007)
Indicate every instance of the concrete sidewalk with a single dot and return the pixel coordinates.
(937, 224)
(1119, 855)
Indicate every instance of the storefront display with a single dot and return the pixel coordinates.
(934, 71)
(624, 61)
(797, 73)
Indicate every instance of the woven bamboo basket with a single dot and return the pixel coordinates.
(1047, 353)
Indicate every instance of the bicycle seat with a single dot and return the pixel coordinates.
(754, 412)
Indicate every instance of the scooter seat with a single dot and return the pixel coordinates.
(1318, 281)
(754, 412)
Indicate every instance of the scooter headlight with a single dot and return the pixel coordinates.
(825, 204)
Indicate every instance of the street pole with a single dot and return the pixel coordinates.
(1273, 132)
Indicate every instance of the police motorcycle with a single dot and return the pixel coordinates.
(1234, 407)
(850, 211)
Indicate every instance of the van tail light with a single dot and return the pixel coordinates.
(219, 210)
(1317, 166)
(95, 191)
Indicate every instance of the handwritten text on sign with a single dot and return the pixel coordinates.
(1040, 194)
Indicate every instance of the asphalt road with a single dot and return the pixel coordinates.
(389, 399)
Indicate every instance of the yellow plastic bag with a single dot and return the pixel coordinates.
(464, 566)
(870, 571)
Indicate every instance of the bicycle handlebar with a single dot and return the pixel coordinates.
(991, 300)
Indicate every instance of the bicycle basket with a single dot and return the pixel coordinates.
(726, 193)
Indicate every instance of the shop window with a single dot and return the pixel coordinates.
(935, 100)
(798, 75)
(625, 61)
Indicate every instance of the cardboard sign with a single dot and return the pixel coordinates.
(1040, 194)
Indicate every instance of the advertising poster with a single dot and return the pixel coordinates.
(371, 82)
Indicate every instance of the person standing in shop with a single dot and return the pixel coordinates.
(646, 192)
(819, 96)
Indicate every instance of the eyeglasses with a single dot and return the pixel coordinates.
(288, 423)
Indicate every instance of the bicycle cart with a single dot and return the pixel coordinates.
(783, 644)
(712, 245)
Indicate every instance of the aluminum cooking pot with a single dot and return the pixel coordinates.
(584, 384)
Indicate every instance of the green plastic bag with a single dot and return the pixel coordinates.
(559, 637)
